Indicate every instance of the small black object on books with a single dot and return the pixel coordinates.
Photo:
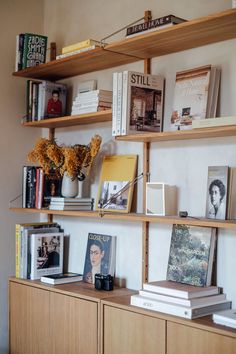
(104, 282)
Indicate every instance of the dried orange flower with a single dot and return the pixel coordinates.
(75, 160)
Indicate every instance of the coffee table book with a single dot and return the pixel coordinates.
(179, 310)
(225, 318)
(183, 291)
(61, 278)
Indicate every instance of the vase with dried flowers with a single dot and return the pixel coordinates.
(73, 163)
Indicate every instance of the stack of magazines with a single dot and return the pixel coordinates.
(92, 101)
(182, 300)
(61, 203)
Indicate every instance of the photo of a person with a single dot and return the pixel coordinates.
(217, 206)
(100, 256)
(54, 106)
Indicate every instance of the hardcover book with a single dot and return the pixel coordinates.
(52, 100)
(142, 103)
(61, 278)
(183, 291)
(179, 310)
(116, 184)
(225, 318)
(34, 50)
(100, 256)
(46, 254)
(158, 23)
(195, 96)
(191, 255)
(217, 187)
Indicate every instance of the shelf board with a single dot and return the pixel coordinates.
(134, 217)
(194, 33)
(68, 121)
(181, 135)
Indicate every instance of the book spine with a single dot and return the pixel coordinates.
(17, 237)
(82, 50)
(119, 103)
(31, 184)
(114, 103)
(24, 183)
(124, 104)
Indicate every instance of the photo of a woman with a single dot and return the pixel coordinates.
(217, 208)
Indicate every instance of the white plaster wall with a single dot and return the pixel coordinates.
(181, 163)
(15, 141)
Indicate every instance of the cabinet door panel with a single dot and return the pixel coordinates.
(29, 320)
(131, 333)
(183, 340)
(74, 325)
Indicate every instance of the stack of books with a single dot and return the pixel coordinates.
(182, 300)
(80, 47)
(92, 101)
(61, 203)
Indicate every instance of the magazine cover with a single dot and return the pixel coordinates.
(116, 186)
(217, 187)
(100, 256)
(190, 97)
(46, 254)
(142, 103)
(191, 255)
(52, 100)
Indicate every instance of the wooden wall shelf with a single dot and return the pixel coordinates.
(181, 135)
(195, 33)
(134, 217)
(68, 121)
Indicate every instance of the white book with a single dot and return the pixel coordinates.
(183, 291)
(214, 122)
(226, 318)
(70, 207)
(143, 97)
(114, 101)
(119, 103)
(71, 200)
(178, 310)
(206, 300)
(60, 56)
(46, 254)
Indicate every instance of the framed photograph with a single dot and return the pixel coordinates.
(114, 195)
(160, 199)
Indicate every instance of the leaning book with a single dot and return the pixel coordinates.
(116, 184)
(217, 192)
(46, 254)
(191, 255)
(34, 50)
(195, 96)
(61, 278)
(100, 256)
(142, 103)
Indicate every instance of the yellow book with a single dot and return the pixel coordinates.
(83, 44)
(116, 185)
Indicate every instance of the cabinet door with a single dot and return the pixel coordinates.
(131, 333)
(74, 325)
(29, 320)
(184, 340)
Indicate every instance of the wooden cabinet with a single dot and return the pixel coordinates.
(132, 333)
(133, 330)
(29, 320)
(73, 325)
(63, 319)
(180, 338)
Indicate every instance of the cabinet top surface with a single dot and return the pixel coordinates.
(191, 34)
(78, 289)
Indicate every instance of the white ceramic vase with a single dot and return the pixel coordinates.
(70, 187)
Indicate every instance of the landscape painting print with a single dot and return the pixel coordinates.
(100, 256)
(114, 195)
(191, 255)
